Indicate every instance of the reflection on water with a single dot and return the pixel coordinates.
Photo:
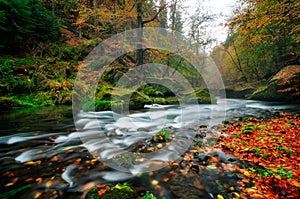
(40, 151)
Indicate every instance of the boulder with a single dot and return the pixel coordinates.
(241, 92)
(40, 81)
(8, 103)
(284, 86)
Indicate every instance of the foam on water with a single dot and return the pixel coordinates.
(66, 175)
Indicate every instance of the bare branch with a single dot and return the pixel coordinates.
(156, 15)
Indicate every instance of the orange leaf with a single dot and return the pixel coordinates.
(101, 192)
(37, 195)
(198, 185)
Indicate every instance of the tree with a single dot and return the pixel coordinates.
(175, 15)
(25, 23)
(65, 10)
(163, 16)
(236, 58)
(268, 36)
(198, 28)
(140, 24)
(101, 19)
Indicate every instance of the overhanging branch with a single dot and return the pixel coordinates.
(156, 15)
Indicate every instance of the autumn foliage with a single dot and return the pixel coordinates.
(264, 38)
(272, 150)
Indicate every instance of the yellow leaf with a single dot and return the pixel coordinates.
(220, 196)
(294, 183)
(37, 195)
(154, 182)
(48, 184)
(29, 163)
(256, 195)
(9, 184)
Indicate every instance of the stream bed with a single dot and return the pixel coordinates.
(43, 154)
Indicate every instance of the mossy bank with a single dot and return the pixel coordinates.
(284, 86)
(47, 81)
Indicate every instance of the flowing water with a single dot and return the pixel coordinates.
(43, 153)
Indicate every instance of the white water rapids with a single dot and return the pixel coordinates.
(110, 136)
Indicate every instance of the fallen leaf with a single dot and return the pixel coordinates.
(37, 195)
(39, 180)
(198, 185)
(9, 184)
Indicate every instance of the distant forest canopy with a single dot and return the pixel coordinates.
(264, 37)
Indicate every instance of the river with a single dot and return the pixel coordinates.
(43, 156)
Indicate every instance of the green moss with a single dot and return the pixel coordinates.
(119, 191)
(282, 87)
(202, 96)
(248, 129)
(92, 193)
(118, 194)
(148, 195)
(8, 103)
(162, 136)
(138, 100)
(268, 93)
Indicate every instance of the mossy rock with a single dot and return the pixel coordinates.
(104, 91)
(238, 92)
(148, 94)
(66, 99)
(155, 90)
(113, 193)
(8, 103)
(40, 81)
(284, 86)
(202, 96)
(138, 100)
(161, 136)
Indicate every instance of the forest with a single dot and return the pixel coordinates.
(252, 153)
(44, 43)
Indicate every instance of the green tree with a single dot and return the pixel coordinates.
(267, 36)
(141, 12)
(24, 24)
(65, 10)
(175, 15)
(163, 16)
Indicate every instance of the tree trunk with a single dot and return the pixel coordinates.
(115, 16)
(140, 23)
(174, 7)
(239, 65)
(139, 54)
(95, 6)
(80, 33)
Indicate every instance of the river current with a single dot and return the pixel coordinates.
(43, 151)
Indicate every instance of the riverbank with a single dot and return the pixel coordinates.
(35, 81)
(265, 162)
(272, 150)
(282, 87)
